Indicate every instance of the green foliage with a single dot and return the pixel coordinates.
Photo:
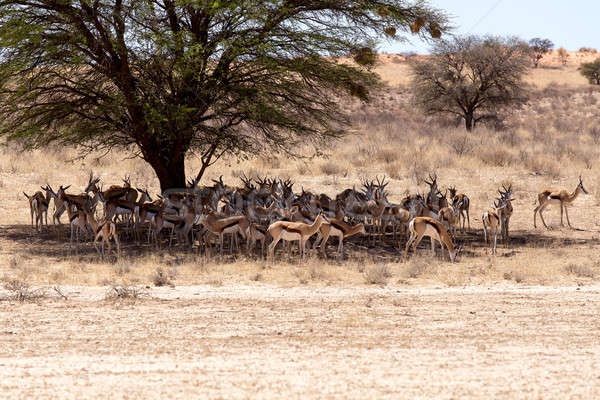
(164, 77)
(475, 78)
(591, 71)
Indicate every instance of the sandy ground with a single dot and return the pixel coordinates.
(305, 342)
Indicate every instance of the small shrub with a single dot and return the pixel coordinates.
(331, 168)
(394, 170)
(122, 267)
(256, 277)
(161, 278)
(460, 144)
(496, 156)
(594, 133)
(377, 275)
(119, 292)
(21, 291)
(580, 271)
(417, 268)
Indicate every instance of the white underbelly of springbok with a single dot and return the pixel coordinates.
(289, 236)
(432, 232)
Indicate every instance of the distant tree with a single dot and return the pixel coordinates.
(163, 79)
(591, 71)
(472, 77)
(539, 48)
(563, 56)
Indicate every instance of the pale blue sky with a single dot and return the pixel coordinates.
(570, 24)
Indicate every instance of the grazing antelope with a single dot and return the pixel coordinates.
(38, 205)
(425, 226)
(338, 228)
(463, 200)
(221, 226)
(491, 223)
(290, 231)
(562, 197)
(105, 230)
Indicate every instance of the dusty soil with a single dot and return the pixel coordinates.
(304, 342)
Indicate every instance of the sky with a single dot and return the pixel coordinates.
(570, 24)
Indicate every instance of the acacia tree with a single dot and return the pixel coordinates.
(591, 71)
(162, 78)
(471, 77)
(539, 47)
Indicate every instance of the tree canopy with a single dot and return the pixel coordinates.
(474, 78)
(163, 78)
(539, 47)
(591, 71)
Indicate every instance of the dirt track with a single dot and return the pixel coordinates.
(267, 342)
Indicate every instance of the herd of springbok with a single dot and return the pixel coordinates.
(263, 208)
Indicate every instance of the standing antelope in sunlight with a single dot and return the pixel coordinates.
(337, 227)
(506, 212)
(38, 206)
(425, 226)
(290, 231)
(491, 223)
(562, 197)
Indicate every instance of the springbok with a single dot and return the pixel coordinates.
(491, 223)
(463, 200)
(290, 231)
(338, 228)
(562, 197)
(38, 206)
(425, 226)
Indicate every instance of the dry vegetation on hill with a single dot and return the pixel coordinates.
(549, 142)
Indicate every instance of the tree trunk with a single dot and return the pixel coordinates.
(170, 171)
(469, 121)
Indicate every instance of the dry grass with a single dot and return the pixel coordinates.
(378, 274)
(548, 143)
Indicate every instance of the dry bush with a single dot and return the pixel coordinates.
(120, 292)
(22, 291)
(161, 278)
(256, 277)
(331, 168)
(377, 275)
(516, 276)
(460, 144)
(496, 156)
(580, 271)
(313, 272)
(122, 267)
(417, 267)
(394, 170)
(594, 133)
